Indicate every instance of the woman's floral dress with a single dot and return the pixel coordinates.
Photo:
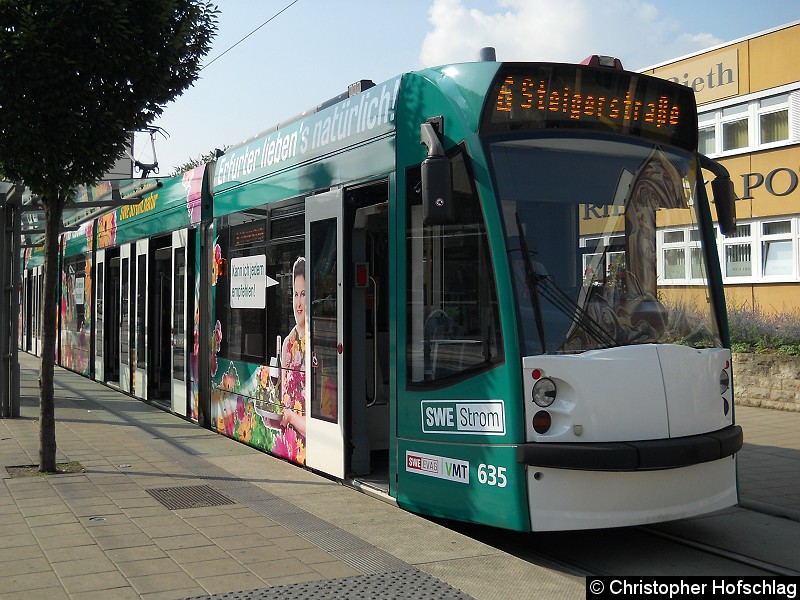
(291, 444)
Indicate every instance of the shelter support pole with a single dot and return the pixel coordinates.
(9, 309)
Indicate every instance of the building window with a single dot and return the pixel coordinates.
(674, 263)
(774, 119)
(763, 122)
(600, 265)
(777, 249)
(758, 251)
(707, 140)
(739, 253)
(250, 333)
(677, 247)
(735, 128)
(674, 254)
(697, 265)
(775, 127)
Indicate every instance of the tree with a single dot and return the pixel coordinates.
(197, 161)
(76, 78)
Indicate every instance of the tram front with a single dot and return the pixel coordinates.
(620, 315)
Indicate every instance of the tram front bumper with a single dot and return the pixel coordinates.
(642, 455)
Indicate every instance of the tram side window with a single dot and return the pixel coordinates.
(72, 300)
(253, 333)
(453, 316)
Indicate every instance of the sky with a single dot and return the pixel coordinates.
(307, 51)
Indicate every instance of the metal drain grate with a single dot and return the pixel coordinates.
(409, 584)
(192, 496)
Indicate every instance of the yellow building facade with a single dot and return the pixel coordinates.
(748, 96)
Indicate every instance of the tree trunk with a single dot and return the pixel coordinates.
(53, 209)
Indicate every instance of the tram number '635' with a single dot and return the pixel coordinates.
(492, 475)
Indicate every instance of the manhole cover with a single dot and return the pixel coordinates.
(192, 496)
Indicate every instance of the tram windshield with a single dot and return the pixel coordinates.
(586, 219)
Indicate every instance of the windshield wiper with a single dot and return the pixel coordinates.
(577, 314)
(532, 279)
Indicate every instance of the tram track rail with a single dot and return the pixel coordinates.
(722, 553)
(628, 552)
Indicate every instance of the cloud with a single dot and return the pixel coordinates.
(566, 30)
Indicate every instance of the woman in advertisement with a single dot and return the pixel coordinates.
(293, 379)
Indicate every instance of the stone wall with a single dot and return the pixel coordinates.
(767, 380)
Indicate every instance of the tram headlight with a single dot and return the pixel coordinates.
(544, 392)
(724, 381)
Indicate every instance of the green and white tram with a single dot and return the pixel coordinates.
(444, 290)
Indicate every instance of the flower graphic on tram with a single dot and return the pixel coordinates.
(217, 265)
(107, 230)
(290, 445)
(216, 344)
(225, 400)
(193, 182)
(246, 420)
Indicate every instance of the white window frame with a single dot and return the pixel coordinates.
(756, 240)
(744, 240)
(686, 245)
(759, 112)
(711, 115)
(664, 247)
(708, 121)
(737, 113)
(610, 254)
(778, 237)
(694, 244)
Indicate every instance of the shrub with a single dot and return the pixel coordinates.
(754, 330)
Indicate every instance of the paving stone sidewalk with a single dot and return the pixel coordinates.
(250, 522)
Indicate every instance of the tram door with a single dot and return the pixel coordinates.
(111, 323)
(126, 318)
(36, 334)
(179, 315)
(27, 322)
(324, 325)
(159, 310)
(139, 317)
(99, 317)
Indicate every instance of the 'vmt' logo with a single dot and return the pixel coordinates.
(456, 471)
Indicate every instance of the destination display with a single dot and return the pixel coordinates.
(531, 97)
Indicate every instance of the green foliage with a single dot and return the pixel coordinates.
(195, 162)
(741, 347)
(789, 349)
(77, 77)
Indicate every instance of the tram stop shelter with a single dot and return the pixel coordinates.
(22, 228)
